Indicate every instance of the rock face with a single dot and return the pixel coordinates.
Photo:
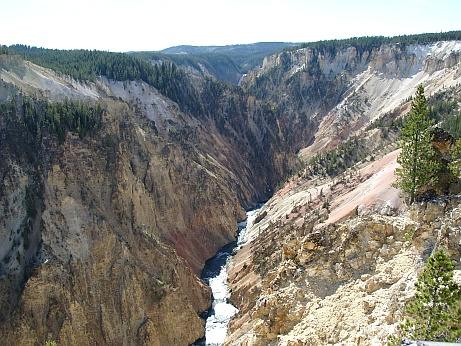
(333, 259)
(331, 94)
(97, 269)
(102, 238)
(340, 272)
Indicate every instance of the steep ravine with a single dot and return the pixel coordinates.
(128, 216)
(104, 236)
(329, 94)
(215, 275)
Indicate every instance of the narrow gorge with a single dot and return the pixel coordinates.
(215, 275)
(131, 185)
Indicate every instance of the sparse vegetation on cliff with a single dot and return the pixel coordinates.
(417, 159)
(455, 165)
(429, 158)
(434, 314)
(338, 160)
(453, 125)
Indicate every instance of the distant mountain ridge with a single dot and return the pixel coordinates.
(232, 50)
(230, 62)
(226, 63)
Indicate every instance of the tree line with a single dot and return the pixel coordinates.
(39, 117)
(368, 43)
(87, 65)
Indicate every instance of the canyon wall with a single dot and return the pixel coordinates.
(103, 237)
(333, 259)
(333, 93)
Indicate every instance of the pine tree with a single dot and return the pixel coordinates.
(455, 165)
(434, 314)
(418, 166)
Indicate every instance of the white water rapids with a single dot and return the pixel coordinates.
(215, 274)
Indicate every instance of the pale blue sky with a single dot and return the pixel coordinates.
(123, 25)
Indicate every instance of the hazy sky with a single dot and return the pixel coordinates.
(123, 25)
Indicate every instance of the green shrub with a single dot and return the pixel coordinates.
(434, 314)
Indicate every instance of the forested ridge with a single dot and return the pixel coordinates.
(218, 65)
(244, 56)
(173, 82)
(87, 65)
(84, 64)
(36, 117)
(367, 43)
(221, 102)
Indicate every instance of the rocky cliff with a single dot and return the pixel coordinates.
(331, 94)
(335, 252)
(103, 236)
(104, 232)
(334, 261)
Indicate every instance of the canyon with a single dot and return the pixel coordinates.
(333, 260)
(119, 224)
(103, 238)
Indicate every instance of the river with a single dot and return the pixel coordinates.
(214, 274)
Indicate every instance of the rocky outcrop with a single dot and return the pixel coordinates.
(333, 260)
(344, 283)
